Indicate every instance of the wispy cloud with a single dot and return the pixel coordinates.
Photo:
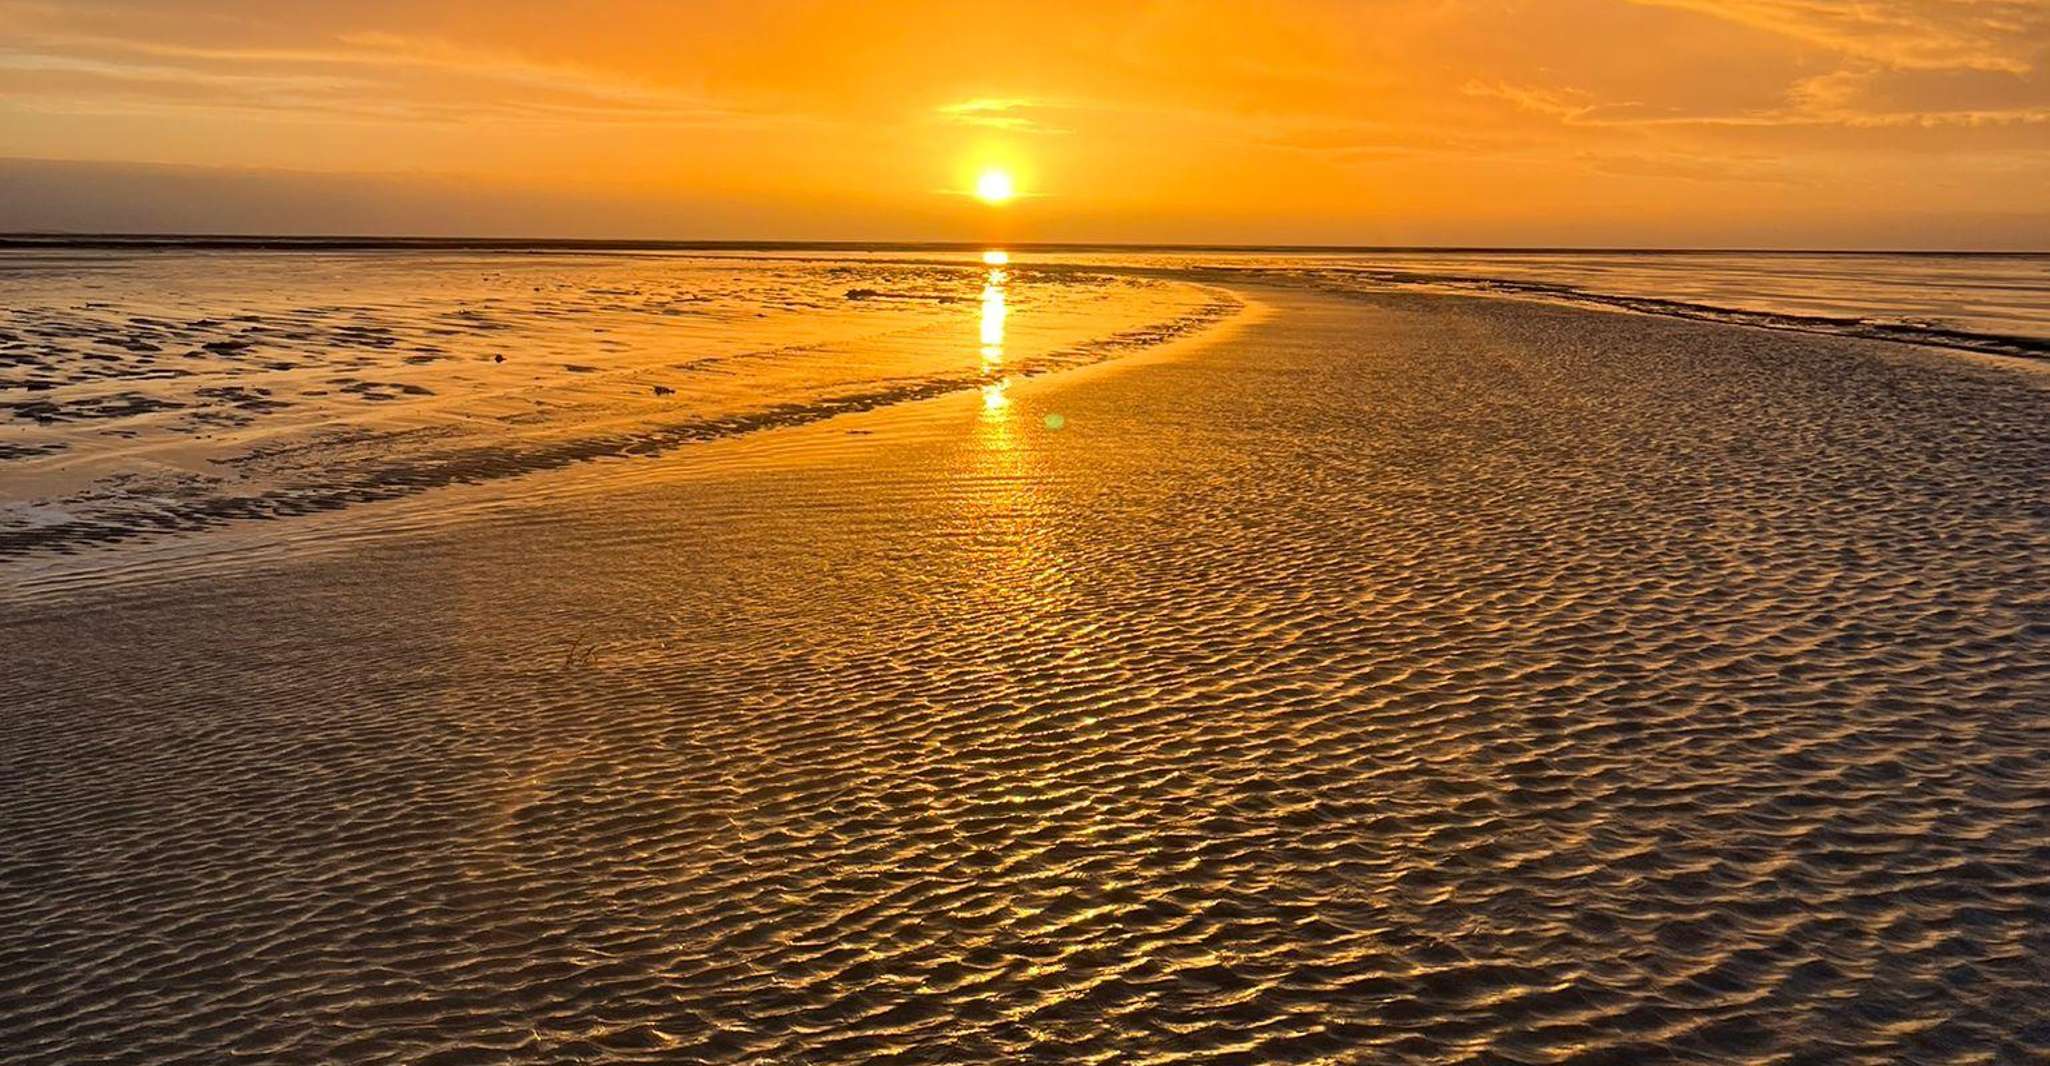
(2002, 35)
(358, 75)
(1565, 104)
(1020, 114)
(1833, 99)
(1708, 169)
(170, 74)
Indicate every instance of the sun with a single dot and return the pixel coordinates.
(994, 187)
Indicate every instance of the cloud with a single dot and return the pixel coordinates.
(155, 73)
(1566, 105)
(1713, 169)
(1018, 114)
(2003, 35)
(358, 75)
(1839, 98)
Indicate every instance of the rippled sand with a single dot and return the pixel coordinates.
(1396, 678)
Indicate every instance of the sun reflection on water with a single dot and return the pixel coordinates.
(993, 310)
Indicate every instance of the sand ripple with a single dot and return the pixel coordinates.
(1407, 680)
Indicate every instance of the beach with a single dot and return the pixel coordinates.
(1342, 676)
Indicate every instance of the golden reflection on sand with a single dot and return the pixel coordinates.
(994, 398)
(993, 309)
(994, 432)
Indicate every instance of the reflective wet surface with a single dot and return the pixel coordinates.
(175, 391)
(1389, 679)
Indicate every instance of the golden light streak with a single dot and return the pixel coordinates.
(994, 310)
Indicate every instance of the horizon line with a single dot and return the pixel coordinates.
(20, 239)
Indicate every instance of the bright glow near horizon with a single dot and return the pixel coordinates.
(995, 187)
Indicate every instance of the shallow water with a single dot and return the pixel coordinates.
(1996, 303)
(177, 387)
(145, 393)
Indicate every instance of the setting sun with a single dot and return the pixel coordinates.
(994, 187)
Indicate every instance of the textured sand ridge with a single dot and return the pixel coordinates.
(1404, 678)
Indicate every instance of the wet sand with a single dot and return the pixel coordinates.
(1390, 678)
(147, 396)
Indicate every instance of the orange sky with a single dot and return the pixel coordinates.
(1901, 123)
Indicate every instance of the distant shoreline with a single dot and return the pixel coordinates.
(335, 243)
